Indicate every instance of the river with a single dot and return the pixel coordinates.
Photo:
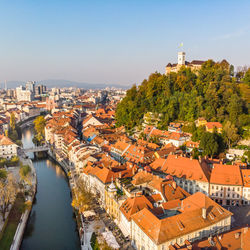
(51, 224)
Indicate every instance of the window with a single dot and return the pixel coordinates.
(228, 189)
(217, 187)
(212, 187)
(181, 240)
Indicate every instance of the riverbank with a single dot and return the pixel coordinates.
(17, 240)
(11, 223)
(13, 230)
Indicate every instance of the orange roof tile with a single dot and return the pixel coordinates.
(133, 205)
(246, 177)
(226, 175)
(163, 230)
(182, 166)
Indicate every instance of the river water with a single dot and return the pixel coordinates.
(51, 224)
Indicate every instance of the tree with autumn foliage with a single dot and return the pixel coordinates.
(82, 198)
(8, 188)
(39, 124)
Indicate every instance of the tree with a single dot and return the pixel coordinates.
(12, 121)
(247, 155)
(246, 78)
(40, 123)
(209, 144)
(81, 197)
(185, 96)
(25, 174)
(7, 194)
(3, 174)
(230, 132)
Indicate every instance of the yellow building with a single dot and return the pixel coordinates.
(200, 122)
(113, 202)
(211, 126)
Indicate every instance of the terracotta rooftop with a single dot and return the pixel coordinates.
(135, 204)
(183, 167)
(211, 125)
(234, 239)
(246, 177)
(226, 175)
(163, 230)
(5, 141)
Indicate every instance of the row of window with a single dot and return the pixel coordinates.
(228, 195)
(228, 189)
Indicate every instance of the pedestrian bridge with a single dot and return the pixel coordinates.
(36, 149)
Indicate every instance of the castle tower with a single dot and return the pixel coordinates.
(181, 58)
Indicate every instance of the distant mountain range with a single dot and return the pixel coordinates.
(65, 83)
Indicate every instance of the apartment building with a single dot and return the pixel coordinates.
(226, 184)
(198, 217)
(8, 148)
(190, 174)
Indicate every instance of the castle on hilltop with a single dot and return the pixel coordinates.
(194, 65)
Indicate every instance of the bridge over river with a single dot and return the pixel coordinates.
(36, 149)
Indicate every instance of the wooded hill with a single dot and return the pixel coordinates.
(213, 93)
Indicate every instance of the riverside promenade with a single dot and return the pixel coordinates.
(17, 240)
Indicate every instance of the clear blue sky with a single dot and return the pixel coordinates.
(116, 41)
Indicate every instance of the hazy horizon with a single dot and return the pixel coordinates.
(116, 42)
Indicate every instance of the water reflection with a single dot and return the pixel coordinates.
(58, 169)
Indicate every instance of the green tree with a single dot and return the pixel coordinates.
(247, 155)
(3, 174)
(230, 132)
(209, 144)
(246, 78)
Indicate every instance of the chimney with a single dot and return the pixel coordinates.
(174, 185)
(237, 235)
(204, 213)
(120, 175)
(176, 156)
(199, 159)
(191, 158)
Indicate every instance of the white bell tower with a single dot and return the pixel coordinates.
(181, 58)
